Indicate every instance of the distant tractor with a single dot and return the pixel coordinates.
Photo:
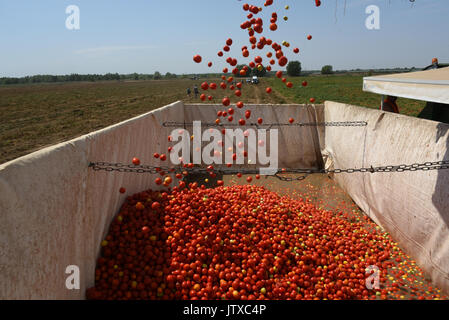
(255, 80)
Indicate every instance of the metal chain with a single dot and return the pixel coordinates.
(270, 125)
(119, 167)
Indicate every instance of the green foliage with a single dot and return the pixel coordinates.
(327, 69)
(169, 75)
(294, 68)
(240, 67)
(157, 75)
(259, 73)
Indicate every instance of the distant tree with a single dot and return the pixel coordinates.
(240, 67)
(327, 69)
(135, 76)
(157, 75)
(169, 75)
(294, 68)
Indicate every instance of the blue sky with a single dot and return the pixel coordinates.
(144, 36)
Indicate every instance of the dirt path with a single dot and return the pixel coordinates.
(258, 93)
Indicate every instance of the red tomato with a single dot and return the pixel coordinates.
(197, 58)
(155, 205)
(226, 101)
(136, 161)
(268, 90)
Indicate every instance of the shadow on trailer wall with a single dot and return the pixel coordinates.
(441, 193)
(436, 112)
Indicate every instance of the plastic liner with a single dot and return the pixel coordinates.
(54, 210)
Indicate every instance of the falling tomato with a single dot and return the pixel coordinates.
(226, 101)
(136, 161)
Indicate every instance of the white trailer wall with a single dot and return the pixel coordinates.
(412, 206)
(54, 211)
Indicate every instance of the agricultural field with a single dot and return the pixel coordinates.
(39, 115)
(339, 88)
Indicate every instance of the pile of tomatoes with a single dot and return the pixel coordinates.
(235, 242)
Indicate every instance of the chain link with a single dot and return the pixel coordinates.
(270, 125)
(119, 167)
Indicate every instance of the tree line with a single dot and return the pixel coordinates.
(86, 77)
(293, 69)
